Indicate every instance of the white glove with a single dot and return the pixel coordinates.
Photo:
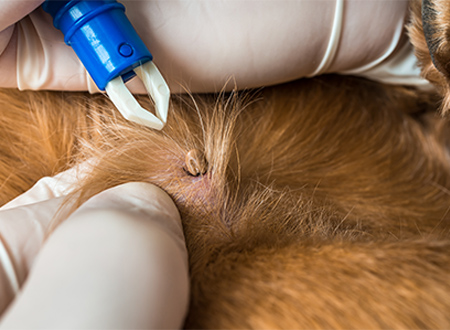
(119, 261)
(201, 44)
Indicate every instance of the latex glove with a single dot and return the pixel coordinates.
(201, 44)
(119, 261)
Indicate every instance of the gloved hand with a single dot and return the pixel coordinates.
(201, 44)
(119, 261)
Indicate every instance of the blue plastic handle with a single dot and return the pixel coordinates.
(102, 37)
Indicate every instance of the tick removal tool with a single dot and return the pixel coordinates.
(112, 52)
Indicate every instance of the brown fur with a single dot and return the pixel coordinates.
(325, 202)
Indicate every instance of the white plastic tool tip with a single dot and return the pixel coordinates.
(156, 86)
(129, 107)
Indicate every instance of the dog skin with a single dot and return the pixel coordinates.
(323, 203)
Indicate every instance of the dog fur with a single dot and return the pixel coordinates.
(323, 203)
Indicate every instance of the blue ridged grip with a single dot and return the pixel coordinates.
(102, 37)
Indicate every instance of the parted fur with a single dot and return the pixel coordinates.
(324, 204)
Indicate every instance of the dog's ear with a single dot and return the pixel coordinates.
(436, 28)
(429, 31)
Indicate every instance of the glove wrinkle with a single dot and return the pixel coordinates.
(13, 11)
(8, 270)
(5, 37)
(44, 61)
